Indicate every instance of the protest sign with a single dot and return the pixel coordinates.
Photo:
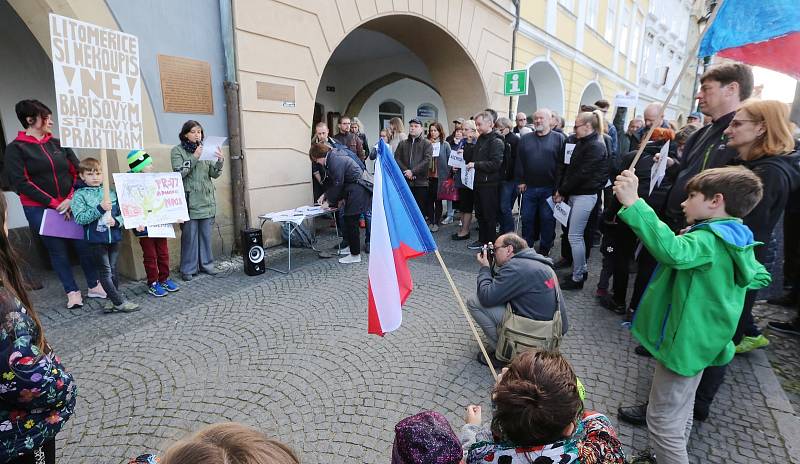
(161, 231)
(560, 211)
(659, 170)
(468, 177)
(456, 160)
(568, 149)
(626, 100)
(97, 84)
(147, 199)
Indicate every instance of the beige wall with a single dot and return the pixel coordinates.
(290, 44)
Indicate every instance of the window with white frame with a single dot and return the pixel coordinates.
(623, 33)
(634, 56)
(592, 7)
(611, 21)
(568, 4)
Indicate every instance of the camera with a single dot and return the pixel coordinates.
(487, 251)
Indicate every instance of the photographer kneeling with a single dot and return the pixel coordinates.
(524, 279)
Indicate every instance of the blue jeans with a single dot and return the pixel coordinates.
(105, 258)
(534, 204)
(582, 206)
(508, 195)
(58, 249)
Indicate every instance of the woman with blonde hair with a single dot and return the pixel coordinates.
(466, 197)
(762, 135)
(225, 443)
(396, 133)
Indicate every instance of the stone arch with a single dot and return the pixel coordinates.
(591, 93)
(358, 100)
(545, 87)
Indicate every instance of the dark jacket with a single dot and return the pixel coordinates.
(415, 154)
(341, 183)
(627, 142)
(705, 149)
(86, 209)
(40, 171)
(540, 158)
(510, 156)
(587, 172)
(353, 143)
(658, 197)
(527, 282)
(488, 159)
(442, 169)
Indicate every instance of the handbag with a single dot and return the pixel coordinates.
(448, 190)
(517, 333)
(367, 180)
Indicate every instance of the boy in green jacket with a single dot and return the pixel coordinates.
(691, 307)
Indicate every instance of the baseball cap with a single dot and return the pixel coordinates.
(415, 121)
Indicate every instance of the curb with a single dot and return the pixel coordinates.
(780, 407)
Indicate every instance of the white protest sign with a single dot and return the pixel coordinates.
(210, 145)
(97, 84)
(148, 199)
(569, 148)
(456, 160)
(468, 177)
(659, 170)
(161, 231)
(626, 100)
(560, 211)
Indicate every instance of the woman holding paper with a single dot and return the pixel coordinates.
(43, 174)
(196, 254)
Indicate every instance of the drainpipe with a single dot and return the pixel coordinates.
(514, 55)
(231, 87)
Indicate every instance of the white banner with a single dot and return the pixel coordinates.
(149, 199)
(98, 86)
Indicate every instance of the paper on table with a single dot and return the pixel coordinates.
(456, 160)
(57, 225)
(569, 148)
(659, 170)
(560, 211)
(161, 231)
(468, 177)
(210, 145)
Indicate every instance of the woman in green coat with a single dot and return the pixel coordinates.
(196, 254)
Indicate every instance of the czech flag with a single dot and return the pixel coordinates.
(399, 232)
(764, 33)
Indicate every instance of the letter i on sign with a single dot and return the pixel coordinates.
(515, 83)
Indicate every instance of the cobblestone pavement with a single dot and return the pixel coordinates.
(291, 355)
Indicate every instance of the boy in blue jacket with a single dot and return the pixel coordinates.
(102, 226)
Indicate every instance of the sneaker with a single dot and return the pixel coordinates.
(74, 300)
(97, 292)
(344, 251)
(570, 284)
(791, 328)
(350, 259)
(600, 293)
(749, 344)
(611, 305)
(447, 220)
(476, 245)
(433, 228)
(170, 285)
(208, 270)
(127, 307)
(636, 415)
(156, 289)
(108, 307)
(643, 457)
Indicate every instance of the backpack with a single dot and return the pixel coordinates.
(301, 237)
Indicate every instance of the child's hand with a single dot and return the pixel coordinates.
(106, 205)
(111, 222)
(626, 187)
(140, 229)
(473, 415)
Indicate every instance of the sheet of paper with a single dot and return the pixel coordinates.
(560, 211)
(568, 149)
(624, 100)
(468, 177)
(456, 160)
(659, 170)
(210, 145)
(161, 231)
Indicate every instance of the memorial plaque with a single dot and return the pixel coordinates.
(185, 85)
(277, 92)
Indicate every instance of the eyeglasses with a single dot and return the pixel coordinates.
(521, 119)
(740, 122)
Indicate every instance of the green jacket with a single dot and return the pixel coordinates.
(691, 307)
(86, 210)
(197, 183)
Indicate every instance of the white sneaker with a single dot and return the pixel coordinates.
(433, 228)
(97, 292)
(349, 259)
(344, 251)
(447, 220)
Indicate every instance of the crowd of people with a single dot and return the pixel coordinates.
(701, 239)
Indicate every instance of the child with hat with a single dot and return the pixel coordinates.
(154, 249)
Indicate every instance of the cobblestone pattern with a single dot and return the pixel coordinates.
(783, 351)
(291, 356)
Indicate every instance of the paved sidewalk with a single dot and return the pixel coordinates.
(291, 356)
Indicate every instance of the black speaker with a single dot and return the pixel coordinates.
(253, 252)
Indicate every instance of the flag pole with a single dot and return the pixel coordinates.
(104, 167)
(466, 314)
(676, 84)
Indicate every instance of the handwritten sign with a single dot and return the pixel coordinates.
(626, 100)
(98, 86)
(161, 231)
(148, 199)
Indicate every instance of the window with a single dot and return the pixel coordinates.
(634, 56)
(568, 4)
(623, 37)
(611, 21)
(591, 13)
(388, 110)
(651, 7)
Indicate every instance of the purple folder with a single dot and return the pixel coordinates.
(56, 225)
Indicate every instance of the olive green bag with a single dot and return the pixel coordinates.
(517, 333)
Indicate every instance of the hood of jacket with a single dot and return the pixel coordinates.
(25, 138)
(789, 164)
(738, 240)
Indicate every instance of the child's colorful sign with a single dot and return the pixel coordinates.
(148, 199)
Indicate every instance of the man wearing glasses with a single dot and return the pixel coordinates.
(521, 120)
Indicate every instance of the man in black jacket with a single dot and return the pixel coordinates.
(487, 162)
(414, 155)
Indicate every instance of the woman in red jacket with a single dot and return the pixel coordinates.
(43, 174)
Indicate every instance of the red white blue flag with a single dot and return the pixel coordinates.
(399, 232)
(764, 33)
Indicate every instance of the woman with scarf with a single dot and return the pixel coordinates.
(196, 254)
